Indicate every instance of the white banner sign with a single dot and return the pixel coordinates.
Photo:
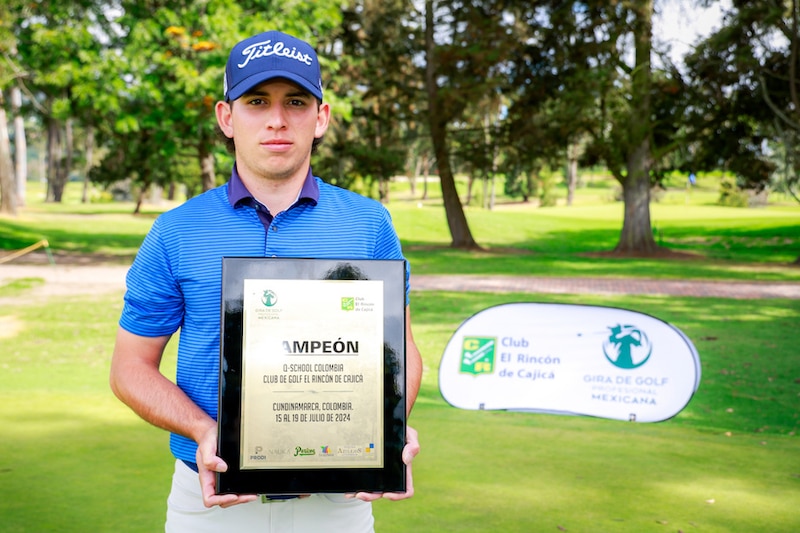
(570, 359)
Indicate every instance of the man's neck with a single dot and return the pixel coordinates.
(276, 195)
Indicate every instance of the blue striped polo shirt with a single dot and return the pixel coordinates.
(175, 281)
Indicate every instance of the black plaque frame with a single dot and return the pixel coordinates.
(389, 478)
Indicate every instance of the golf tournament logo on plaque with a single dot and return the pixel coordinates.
(348, 303)
(269, 298)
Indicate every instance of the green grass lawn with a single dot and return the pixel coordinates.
(724, 242)
(727, 243)
(75, 459)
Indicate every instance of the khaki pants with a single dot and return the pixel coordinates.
(329, 513)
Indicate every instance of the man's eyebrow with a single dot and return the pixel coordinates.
(299, 93)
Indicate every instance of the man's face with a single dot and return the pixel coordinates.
(273, 126)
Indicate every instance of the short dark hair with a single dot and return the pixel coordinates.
(230, 145)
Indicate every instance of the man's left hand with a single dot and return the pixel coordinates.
(410, 450)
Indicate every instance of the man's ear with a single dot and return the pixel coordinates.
(223, 110)
(323, 119)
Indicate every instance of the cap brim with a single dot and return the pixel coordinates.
(256, 79)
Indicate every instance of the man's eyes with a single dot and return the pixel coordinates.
(292, 102)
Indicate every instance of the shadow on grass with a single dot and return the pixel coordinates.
(725, 254)
(102, 239)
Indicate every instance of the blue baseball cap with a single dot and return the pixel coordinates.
(270, 55)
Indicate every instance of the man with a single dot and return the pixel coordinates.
(273, 113)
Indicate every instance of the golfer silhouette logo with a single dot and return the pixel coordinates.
(627, 347)
(269, 298)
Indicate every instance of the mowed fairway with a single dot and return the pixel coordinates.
(76, 460)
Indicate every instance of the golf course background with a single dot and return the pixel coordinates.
(76, 460)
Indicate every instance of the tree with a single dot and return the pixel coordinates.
(174, 55)
(8, 193)
(175, 59)
(20, 145)
(466, 46)
(623, 132)
(585, 74)
(552, 90)
(748, 73)
(60, 47)
(438, 118)
(377, 76)
(777, 34)
(637, 148)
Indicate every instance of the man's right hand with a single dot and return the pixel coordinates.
(208, 464)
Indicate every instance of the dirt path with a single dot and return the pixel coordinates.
(102, 279)
(715, 289)
(66, 280)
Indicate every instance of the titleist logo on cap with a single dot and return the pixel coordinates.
(270, 55)
(267, 48)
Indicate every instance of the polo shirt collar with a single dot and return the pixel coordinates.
(238, 193)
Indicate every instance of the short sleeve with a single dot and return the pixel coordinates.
(154, 304)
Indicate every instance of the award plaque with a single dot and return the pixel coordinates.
(312, 388)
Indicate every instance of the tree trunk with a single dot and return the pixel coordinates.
(460, 234)
(383, 190)
(572, 172)
(53, 156)
(88, 166)
(531, 187)
(487, 123)
(426, 168)
(207, 174)
(69, 149)
(20, 146)
(456, 220)
(8, 200)
(637, 233)
(146, 181)
(413, 170)
(383, 180)
(139, 201)
(58, 164)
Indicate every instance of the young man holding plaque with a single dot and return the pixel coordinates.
(273, 113)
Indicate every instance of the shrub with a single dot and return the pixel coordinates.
(730, 195)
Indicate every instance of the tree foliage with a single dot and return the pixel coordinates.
(747, 75)
(57, 57)
(378, 78)
(479, 87)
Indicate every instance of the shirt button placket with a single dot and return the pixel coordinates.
(273, 227)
